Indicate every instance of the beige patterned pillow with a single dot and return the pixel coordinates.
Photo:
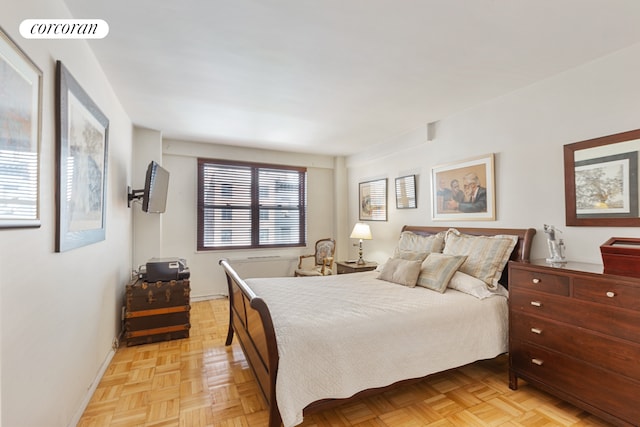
(410, 255)
(486, 255)
(437, 269)
(401, 271)
(410, 241)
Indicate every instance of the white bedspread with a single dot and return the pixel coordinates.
(338, 335)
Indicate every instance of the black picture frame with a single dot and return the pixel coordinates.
(406, 192)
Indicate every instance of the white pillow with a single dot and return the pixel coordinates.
(475, 287)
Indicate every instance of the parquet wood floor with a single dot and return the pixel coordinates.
(198, 382)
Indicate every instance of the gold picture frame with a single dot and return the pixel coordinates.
(464, 190)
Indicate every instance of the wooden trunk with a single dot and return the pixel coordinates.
(157, 311)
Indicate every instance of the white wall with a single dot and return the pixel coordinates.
(61, 311)
(147, 227)
(179, 226)
(526, 130)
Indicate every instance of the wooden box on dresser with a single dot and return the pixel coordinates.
(156, 311)
(575, 333)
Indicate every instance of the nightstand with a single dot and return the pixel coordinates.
(345, 267)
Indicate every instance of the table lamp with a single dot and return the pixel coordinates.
(363, 232)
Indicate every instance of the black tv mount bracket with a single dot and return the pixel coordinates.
(133, 195)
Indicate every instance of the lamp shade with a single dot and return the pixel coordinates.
(361, 231)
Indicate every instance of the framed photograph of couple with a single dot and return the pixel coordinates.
(464, 190)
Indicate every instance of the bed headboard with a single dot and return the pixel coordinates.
(520, 253)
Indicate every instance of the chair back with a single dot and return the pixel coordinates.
(325, 248)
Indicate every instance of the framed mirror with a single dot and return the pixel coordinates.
(601, 181)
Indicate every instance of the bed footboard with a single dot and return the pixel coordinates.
(250, 321)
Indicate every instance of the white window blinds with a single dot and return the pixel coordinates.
(248, 205)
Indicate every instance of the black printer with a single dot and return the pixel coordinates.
(164, 270)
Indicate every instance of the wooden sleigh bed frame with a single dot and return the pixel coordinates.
(250, 321)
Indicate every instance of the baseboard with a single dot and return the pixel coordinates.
(94, 385)
(207, 297)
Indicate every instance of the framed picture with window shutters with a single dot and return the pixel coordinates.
(373, 200)
(406, 192)
(20, 124)
(464, 190)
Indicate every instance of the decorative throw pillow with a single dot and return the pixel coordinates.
(410, 255)
(486, 255)
(401, 271)
(410, 241)
(437, 269)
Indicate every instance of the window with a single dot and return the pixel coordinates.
(250, 205)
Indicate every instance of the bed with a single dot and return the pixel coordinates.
(316, 342)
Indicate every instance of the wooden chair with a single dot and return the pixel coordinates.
(323, 259)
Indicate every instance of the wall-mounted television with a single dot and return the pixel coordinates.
(154, 194)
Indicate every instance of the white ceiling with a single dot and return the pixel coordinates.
(337, 76)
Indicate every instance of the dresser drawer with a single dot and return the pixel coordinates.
(616, 355)
(610, 292)
(538, 281)
(596, 317)
(598, 387)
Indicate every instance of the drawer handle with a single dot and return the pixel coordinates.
(536, 331)
(536, 303)
(536, 281)
(538, 362)
(611, 294)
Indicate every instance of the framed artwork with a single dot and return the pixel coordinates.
(373, 200)
(20, 124)
(81, 137)
(464, 190)
(406, 192)
(607, 186)
(601, 181)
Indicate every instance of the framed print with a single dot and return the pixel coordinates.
(464, 190)
(20, 123)
(373, 200)
(406, 192)
(601, 181)
(607, 186)
(82, 137)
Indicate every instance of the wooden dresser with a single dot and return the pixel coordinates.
(575, 333)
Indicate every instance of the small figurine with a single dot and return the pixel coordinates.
(556, 247)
